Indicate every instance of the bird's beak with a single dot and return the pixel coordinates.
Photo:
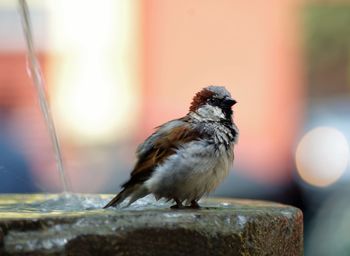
(229, 101)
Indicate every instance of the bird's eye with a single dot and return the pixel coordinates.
(214, 101)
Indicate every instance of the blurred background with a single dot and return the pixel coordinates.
(114, 70)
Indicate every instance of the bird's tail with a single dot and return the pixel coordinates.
(135, 192)
(119, 198)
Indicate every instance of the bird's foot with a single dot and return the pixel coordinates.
(194, 205)
(178, 204)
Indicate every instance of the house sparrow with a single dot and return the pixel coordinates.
(188, 157)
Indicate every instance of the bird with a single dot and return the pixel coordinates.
(186, 158)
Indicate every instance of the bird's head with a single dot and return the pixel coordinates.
(214, 103)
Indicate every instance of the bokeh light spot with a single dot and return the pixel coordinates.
(322, 156)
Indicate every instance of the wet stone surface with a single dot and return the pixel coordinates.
(76, 225)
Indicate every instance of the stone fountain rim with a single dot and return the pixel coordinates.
(236, 219)
(228, 206)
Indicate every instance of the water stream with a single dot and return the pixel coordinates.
(22, 205)
(36, 75)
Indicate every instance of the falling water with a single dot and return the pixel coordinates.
(35, 72)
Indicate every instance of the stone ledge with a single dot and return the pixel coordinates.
(223, 227)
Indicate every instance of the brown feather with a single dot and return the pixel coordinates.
(117, 199)
(162, 149)
(200, 99)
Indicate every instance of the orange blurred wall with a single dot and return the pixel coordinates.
(249, 47)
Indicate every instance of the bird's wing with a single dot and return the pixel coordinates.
(159, 146)
(144, 148)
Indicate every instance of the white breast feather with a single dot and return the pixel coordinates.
(195, 170)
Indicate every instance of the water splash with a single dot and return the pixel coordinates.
(47, 204)
(35, 72)
(70, 203)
